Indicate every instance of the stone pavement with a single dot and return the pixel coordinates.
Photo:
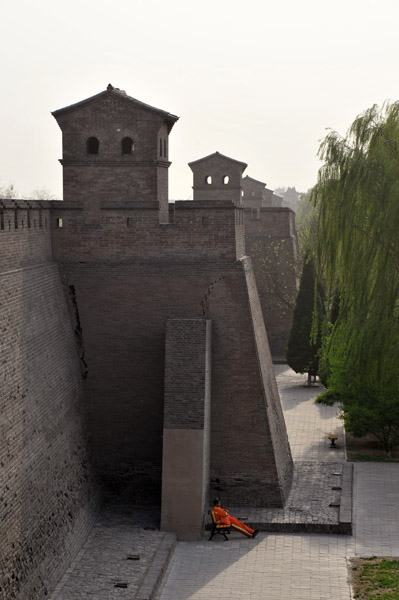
(272, 567)
(295, 566)
(308, 424)
(377, 509)
(125, 547)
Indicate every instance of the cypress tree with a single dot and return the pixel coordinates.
(302, 352)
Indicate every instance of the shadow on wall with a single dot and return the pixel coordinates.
(49, 500)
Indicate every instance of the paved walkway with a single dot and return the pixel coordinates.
(295, 567)
(308, 424)
(120, 550)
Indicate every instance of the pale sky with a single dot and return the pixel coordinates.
(258, 81)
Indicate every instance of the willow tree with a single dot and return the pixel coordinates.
(357, 249)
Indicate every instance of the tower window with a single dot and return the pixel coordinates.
(92, 145)
(208, 179)
(160, 147)
(59, 223)
(127, 145)
(226, 179)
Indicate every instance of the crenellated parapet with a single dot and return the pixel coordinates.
(24, 214)
(25, 233)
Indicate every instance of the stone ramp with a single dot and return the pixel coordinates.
(320, 501)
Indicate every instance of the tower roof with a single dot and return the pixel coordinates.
(169, 119)
(218, 154)
(248, 178)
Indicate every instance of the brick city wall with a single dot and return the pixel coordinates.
(271, 243)
(197, 230)
(123, 310)
(47, 498)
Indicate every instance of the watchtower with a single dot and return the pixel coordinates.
(218, 177)
(115, 150)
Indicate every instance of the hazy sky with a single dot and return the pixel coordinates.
(259, 81)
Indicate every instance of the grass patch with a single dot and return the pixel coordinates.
(375, 578)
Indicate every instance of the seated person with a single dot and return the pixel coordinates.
(221, 517)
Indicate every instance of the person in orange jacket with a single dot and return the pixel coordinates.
(221, 516)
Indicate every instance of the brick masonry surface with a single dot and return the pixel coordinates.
(124, 340)
(186, 433)
(47, 499)
(270, 241)
(187, 372)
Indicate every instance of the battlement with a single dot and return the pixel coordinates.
(200, 230)
(273, 221)
(21, 214)
(25, 233)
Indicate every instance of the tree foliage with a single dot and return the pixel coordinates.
(306, 223)
(303, 348)
(357, 249)
(8, 191)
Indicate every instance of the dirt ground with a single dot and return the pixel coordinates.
(368, 448)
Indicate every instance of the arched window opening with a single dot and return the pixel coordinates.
(93, 145)
(226, 179)
(127, 145)
(208, 179)
(160, 147)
